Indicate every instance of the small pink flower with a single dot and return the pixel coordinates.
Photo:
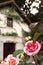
(9, 56)
(32, 48)
(12, 60)
(3, 63)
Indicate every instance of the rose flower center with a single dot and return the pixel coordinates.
(31, 47)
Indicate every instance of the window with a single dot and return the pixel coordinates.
(9, 22)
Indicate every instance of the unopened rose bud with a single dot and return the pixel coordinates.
(22, 57)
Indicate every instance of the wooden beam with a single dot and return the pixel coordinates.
(5, 3)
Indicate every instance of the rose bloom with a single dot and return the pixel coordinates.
(9, 56)
(12, 60)
(32, 48)
(3, 63)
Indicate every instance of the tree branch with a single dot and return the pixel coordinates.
(28, 20)
(23, 15)
(5, 3)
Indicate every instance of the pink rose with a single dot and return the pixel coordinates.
(32, 48)
(3, 63)
(9, 56)
(12, 60)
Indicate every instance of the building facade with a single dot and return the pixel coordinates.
(8, 27)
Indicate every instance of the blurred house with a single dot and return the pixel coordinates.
(11, 37)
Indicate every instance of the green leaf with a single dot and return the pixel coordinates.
(10, 34)
(41, 63)
(22, 63)
(40, 28)
(26, 56)
(36, 35)
(40, 38)
(17, 17)
(39, 56)
(15, 53)
(30, 64)
(25, 34)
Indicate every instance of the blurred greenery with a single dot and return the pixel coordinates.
(39, 56)
(17, 17)
(25, 34)
(15, 53)
(26, 56)
(24, 63)
(41, 63)
(20, 2)
(10, 34)
(37, 35)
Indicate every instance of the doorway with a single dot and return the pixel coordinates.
(9, 48)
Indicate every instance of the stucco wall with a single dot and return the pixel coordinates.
(17, 27)
(1, 51)
(16, 40)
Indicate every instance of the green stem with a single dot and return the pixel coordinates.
(34, 58)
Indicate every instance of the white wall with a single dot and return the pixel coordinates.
(4, 39)
(7, 30)
(17, 27)
(3, 25)
(3, 20)
(1, 51)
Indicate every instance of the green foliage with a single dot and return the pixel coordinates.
(25, 63)
(26, 56)
(30, 64)
(37, 35)
(40, 28)
(10, 34)
(17, 17)
(40, 38)
(34, 18)
(41, 63)
(15, 53)
(25, 34)
(39, 56)
(20, 2)
(22, 63)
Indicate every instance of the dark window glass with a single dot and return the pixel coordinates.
(9, 22)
